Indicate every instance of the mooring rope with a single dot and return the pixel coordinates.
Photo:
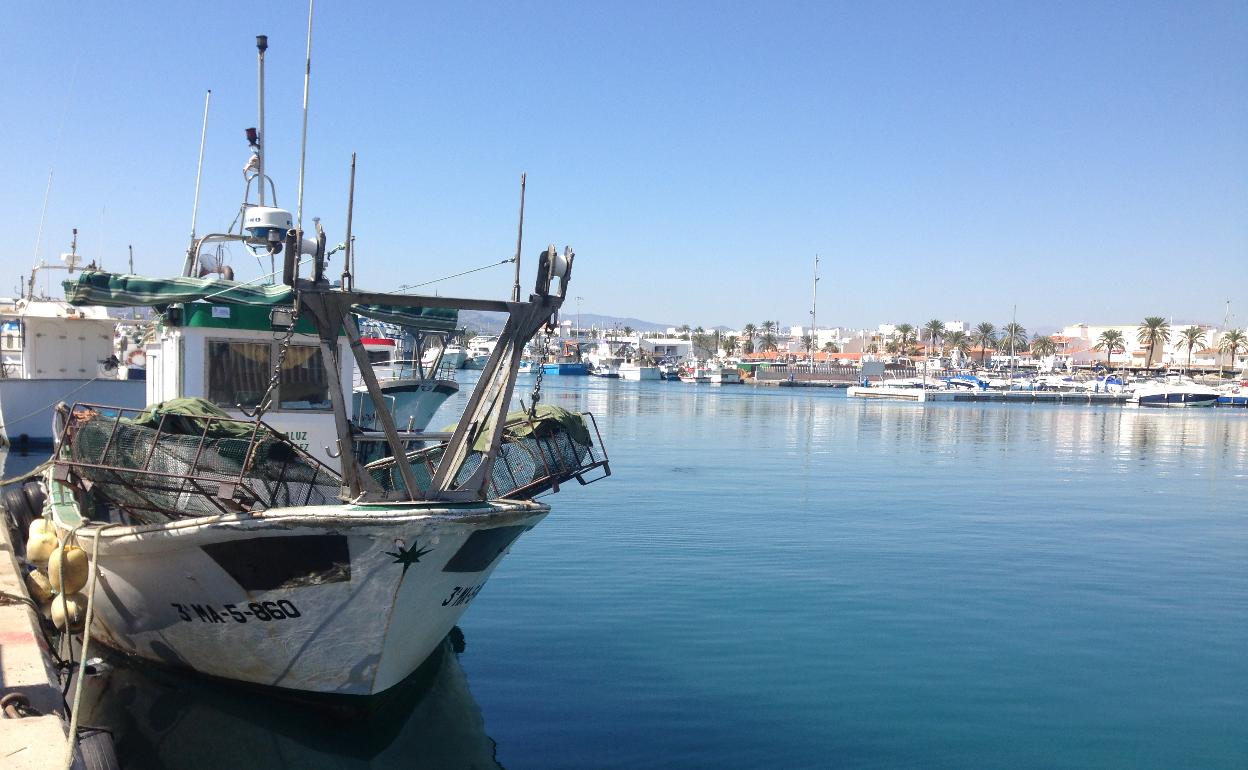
(72, 741)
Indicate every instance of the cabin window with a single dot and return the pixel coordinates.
(238, 372)
(303, 384)
(379, 356)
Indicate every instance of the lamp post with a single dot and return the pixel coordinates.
(578, 317)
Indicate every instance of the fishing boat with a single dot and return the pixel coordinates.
(50, 351)
(637, 371)
(567, 362)
(725, 375)
(226, 542)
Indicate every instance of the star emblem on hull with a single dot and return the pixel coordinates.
(407, 557)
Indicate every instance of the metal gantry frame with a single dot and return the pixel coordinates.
(329, 309)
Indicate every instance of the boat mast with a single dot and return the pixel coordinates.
(43, 215)
(515, 288)
(349, 251)
(189, 267)
(303, 144)
(262, 45)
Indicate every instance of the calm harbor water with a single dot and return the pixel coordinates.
(786, 578)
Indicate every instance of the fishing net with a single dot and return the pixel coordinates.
(535, 456)
(168, 464)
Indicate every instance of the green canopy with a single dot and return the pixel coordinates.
(95, 287)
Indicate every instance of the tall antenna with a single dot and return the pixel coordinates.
(43, 215)
(303, 144)
(349, 256)
(515, 289)
(262, 45)
(189, 268)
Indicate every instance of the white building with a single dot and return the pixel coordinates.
(660, 347)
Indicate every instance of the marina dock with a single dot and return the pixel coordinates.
(998, 396)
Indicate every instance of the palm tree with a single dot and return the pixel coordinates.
(986, 337)
(730, 345)
(628, 331)
(1232, 343)
(769, 342)
(905, 337)
(1111, 341)
(1013, 338)
(684, 331)
(935, 329)
(1190, 338)
(1043, 346)
(959, 341)
(1153, 331)
(750, 331)
(808, 344)
(831, 347)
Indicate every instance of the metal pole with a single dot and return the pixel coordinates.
(43, 215)
(349, 254)
(515, 289)
(814, 306)
(191, 256)
(303, 144)
(262, 45)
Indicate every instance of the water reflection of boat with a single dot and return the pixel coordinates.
(163, 719)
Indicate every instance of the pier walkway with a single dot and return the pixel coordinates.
(33, 742)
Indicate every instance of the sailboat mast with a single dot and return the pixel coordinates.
(814, 305)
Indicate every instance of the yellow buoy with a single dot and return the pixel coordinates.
(40, 546)
(74, 561)
(41, 526)
(71, 608)
(39, 587)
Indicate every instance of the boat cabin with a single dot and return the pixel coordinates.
(227, 354)
(50, 340)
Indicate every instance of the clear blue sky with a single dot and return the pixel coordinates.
(1087, 161)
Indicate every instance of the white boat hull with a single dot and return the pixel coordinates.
(412, 402)
(636, 372)
(345, 600)
(26, 406)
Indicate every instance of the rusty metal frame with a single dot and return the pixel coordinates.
(241, 488)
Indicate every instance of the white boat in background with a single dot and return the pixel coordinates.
(412, 391)
(453, 357)
(637, 372)
(694, 372)
(478, 351)
(51, 351)
(1174, 392)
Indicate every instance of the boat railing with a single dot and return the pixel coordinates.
(535, 457)
(162, 465)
